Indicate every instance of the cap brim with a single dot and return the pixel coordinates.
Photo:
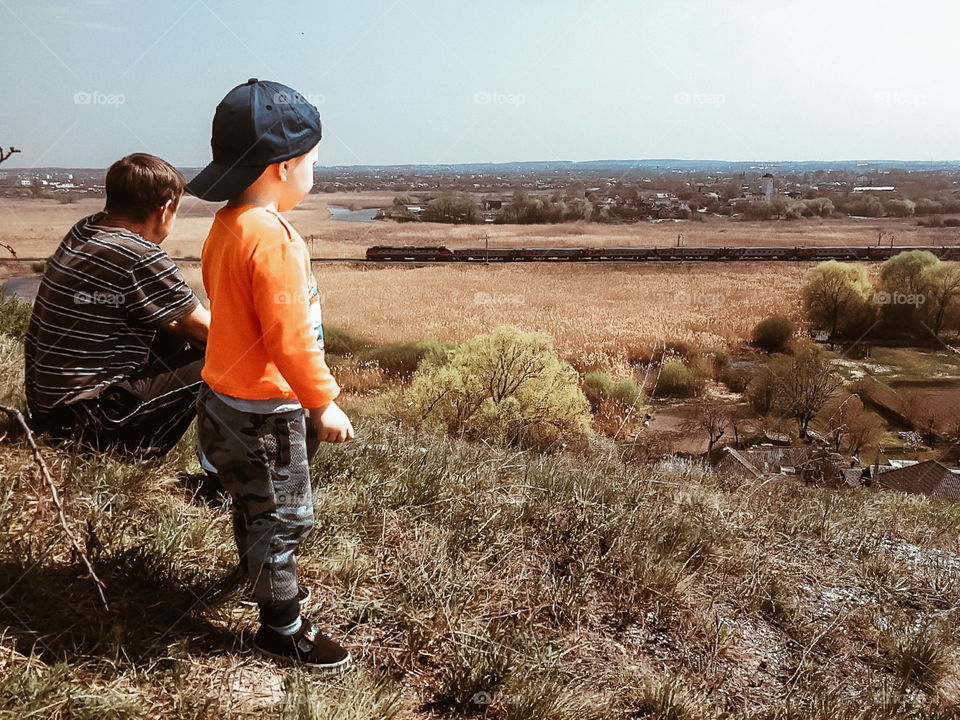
(217, 182)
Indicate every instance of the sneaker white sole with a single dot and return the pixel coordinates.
(336, 667)
(248, 601)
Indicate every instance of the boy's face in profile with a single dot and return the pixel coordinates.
(298, 180)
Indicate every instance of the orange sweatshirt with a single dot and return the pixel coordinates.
(266, 338)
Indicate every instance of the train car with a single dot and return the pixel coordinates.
(485, 254)
(833, 253)
(619, 253)
(410, 252)
(688, 253)
(879, 252)
(562, 253)
(762, 253)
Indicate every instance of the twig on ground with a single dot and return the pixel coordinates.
(18, 416)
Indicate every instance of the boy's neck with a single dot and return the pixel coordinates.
(255, 196)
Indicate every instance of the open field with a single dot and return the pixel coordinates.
(595, 315)
(34, 227)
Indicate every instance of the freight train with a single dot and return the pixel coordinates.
(411, 253)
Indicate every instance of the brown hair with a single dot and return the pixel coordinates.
(138, 184)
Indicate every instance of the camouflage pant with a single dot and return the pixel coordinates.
(262, 461)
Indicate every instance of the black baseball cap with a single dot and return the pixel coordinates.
(256, 124)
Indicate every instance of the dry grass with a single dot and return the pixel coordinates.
(604, 317)
(597, 316)
(475, 581)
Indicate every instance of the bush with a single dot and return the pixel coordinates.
(837, 297)
(735, 378)
(339, 341)
(677, 379)
(402, 358)
(507, 387)
(452, 207)
(900, 208)
(599, 387)
(772, 333)
(14, 317)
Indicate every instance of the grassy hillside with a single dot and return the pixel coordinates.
(470, 581)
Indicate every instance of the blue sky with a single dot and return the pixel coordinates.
(432, 81)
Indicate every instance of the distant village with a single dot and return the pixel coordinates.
(617, 195)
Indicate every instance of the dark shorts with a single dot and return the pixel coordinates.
(143, 416)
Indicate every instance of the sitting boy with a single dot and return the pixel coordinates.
(265, 361)
(114, 348)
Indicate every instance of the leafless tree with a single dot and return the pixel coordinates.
(8, 153)
(805, 385)
(712, 416)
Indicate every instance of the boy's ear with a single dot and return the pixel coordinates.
(170, 208)
(283, 169)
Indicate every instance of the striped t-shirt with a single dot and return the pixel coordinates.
(104, 293)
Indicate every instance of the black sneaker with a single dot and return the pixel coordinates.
(303, 596)
(307, 647)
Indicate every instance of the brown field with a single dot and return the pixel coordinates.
(597, 315)
(34, 227)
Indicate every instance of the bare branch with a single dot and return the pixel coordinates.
(18, 416)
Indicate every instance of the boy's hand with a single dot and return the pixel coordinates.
(332, 424)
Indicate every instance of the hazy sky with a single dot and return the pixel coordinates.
(439, 81)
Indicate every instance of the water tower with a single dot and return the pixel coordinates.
(766, 186)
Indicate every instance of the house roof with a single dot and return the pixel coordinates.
(853, 477)
(736, 457)
(772, 459)
(927, 478)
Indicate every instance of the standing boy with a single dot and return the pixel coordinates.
(264, 362)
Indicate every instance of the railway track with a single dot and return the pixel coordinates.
(442, 254)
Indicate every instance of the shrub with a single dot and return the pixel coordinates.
(762, 391)
(403, 358)
(339, 341)
(507, 387)
(735, 377)
(900, 208)
(837, 297)
(599, 386)
(772, 333)
(677, 379)
(452, 207)
(14, 317)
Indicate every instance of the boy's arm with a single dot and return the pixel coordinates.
(279, 285)
(193, 326)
